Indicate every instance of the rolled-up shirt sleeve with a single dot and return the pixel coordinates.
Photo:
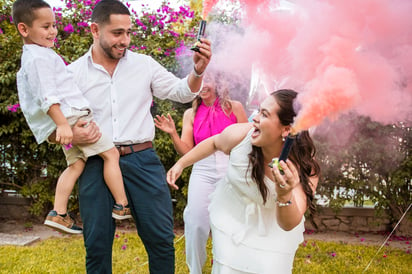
(43, 83)
(165, 85)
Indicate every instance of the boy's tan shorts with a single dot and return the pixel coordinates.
(84, 151)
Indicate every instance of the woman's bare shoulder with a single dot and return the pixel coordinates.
(232, 136)
(239, 111)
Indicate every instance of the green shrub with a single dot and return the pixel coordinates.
(364, 160)
(33, 169)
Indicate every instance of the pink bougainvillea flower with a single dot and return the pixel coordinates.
(124, 247)
(173, 33)
(68, 146)
(83, 24)
(362, 239)
(13, 108)
(384, 255)
(69, 28)
(117, 235)
(182, 51)
(333, 254)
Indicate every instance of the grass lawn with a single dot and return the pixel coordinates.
(66, 255)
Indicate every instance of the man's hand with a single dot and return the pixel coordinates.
(202, 58)
(85, 133)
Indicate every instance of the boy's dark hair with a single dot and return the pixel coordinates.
(103, 9)
(23, 11)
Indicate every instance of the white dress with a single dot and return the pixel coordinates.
(245, 233)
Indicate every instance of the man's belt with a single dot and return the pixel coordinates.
(127, 149)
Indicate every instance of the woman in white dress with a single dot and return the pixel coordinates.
(212, 111)
(257, 213)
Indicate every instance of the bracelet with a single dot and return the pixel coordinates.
(196, 74)
(287, 203)
(280, 204)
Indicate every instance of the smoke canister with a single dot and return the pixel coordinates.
(200, 34)
(284, 153)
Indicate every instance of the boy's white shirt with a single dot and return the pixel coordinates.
(43, 80)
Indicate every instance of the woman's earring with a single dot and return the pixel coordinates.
(283, 138)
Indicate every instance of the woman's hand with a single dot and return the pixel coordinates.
(173, 174)
(290, 198)
(287, 182)
(165, 124)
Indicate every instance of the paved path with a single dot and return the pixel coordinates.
(18, 233)
(17, 239)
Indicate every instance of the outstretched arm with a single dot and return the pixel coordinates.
(225, 141)
(200, 151)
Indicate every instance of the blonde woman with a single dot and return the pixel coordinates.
(212, 111)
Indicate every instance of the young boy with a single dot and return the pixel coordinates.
(51, 102)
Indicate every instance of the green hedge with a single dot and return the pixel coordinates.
(33, 169)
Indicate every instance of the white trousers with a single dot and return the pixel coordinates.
(205, 174)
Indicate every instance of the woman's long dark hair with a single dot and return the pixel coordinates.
(302, 152)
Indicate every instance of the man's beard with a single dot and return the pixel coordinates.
(108, 51)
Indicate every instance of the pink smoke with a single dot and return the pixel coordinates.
(207, 7)
(340, 55)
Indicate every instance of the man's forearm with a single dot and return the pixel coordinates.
(195, 81)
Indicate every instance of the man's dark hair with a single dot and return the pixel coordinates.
(103, 9)
(23, 10)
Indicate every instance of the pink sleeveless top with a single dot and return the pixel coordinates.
(210, 120)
